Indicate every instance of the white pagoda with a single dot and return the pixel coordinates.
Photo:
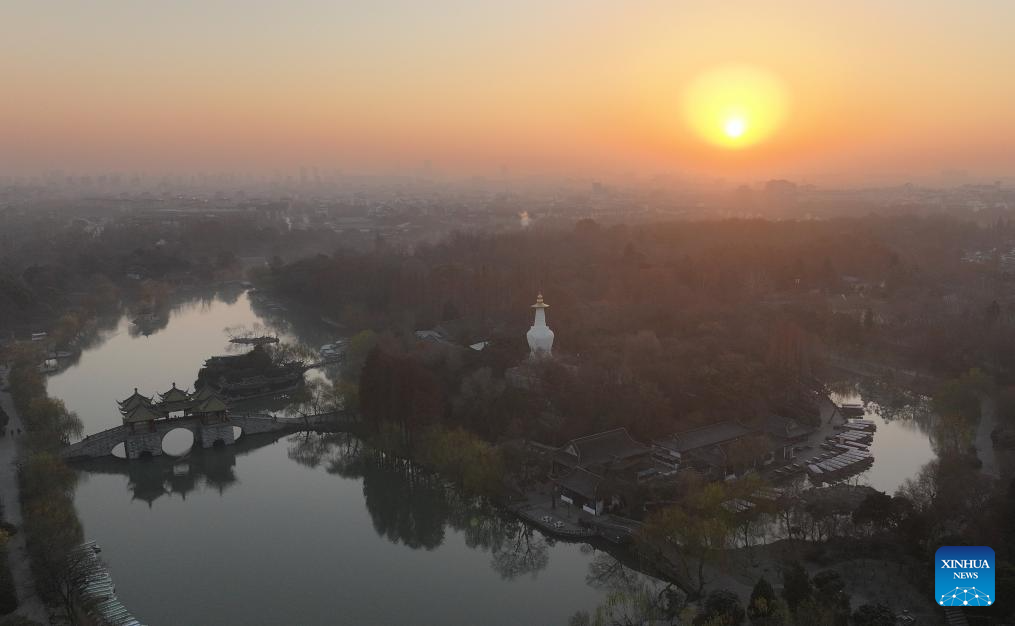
(540, 336)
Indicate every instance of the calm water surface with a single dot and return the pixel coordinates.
(901, 445)
(299, 529)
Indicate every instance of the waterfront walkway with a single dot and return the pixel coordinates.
(29, 604)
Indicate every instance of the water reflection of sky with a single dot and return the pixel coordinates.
(901, 445)
(296, 532)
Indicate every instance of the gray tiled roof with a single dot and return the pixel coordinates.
(706, 436)
(581, 481)
(604, 447)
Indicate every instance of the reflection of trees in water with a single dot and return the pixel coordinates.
(148, 326)
(307, 328)
(843, 387)
(414, 507)
(406, 504)
(311, 449)
(893, 401)
(314, 397)
(96, 333)
(267, 404)
(522, 551)
(888, 398)
(631, 597)
(607, 572)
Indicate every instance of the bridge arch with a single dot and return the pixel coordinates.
(178, 441)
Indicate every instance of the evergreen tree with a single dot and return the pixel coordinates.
(796, 585)
(762, 605)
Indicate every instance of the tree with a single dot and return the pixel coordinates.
(961, 396)
(830, 591)
(765, 608)
(399, 390)
(51, 526)
(796, 585)
(478, 404)
(722, 607)
(952, 434)
(693, 531)
(627, 607)
(356, 353)
(877, 510)
(873, 615)
(316, 397)
(945, 491)
(51, 421)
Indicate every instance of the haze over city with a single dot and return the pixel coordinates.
(870, 92)
(447, 313)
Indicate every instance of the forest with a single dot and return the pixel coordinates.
(664, 326)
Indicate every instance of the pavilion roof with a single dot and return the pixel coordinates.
(142, 413)
(174, 395)
(203, 393)
(133, 400)
(213, 404)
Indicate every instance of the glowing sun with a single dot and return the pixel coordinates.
(735, 106)
(735, 127)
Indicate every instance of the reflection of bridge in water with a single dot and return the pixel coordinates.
(168, 475)
(147, 440)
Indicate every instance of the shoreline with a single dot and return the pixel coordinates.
(29, 604)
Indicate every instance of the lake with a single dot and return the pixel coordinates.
(303, 528)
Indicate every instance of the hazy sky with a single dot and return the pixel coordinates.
(871, 87)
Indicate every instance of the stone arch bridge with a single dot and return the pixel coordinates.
(146, 439)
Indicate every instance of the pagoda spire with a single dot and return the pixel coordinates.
(540, 337)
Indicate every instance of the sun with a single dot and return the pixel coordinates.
(735, 106)
(735, 127)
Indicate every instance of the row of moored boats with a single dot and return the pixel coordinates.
(847, 452)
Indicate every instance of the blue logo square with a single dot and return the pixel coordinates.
(964, 576)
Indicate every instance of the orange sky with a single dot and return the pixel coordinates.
(874, 90)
